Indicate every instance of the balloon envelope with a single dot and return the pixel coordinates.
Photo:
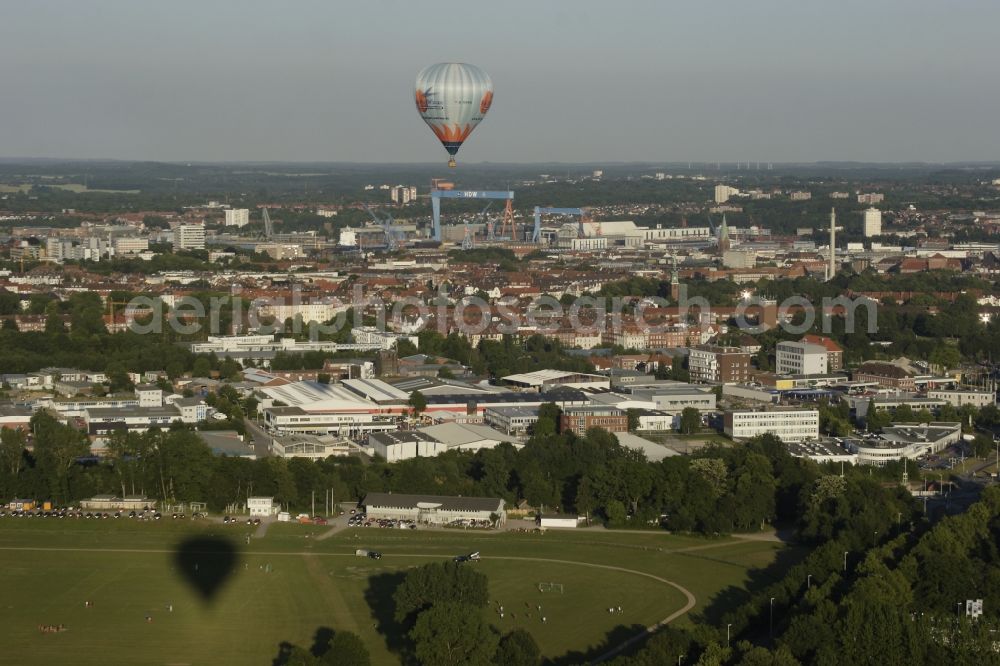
(453, 98)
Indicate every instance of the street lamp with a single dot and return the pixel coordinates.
(728, 626)
(679, 657)
(771, 630)
(958, 610)
(809, 580)
(875, 538)
(845, 561)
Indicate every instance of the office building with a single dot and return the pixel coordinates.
(788, 425)
(130, 245)
(581, 419)
(801, 358)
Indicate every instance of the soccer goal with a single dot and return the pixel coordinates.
(550, 587)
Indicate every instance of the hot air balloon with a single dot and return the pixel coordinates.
(452, 98)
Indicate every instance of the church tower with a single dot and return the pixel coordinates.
(724, 242)
(675, 283)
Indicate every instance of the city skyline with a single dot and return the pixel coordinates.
(889, 82)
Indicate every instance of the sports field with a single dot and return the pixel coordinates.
(289, 583)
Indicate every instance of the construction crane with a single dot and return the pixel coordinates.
(390, 234)
(507, 222)
(268, 225)
(468, 242)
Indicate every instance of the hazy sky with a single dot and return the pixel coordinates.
(576, 80)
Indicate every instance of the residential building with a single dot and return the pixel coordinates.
(873, 222)
(712, 363)
(724, 192)
(403, 194)
(871, 199)
(800, 358)
(237, 217)
(834, 352)
(789, 425)
(189, 237)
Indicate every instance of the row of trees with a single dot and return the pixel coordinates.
(715, 490)
(879, 586)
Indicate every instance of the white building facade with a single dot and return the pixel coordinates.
(801, 358)
(789, 425)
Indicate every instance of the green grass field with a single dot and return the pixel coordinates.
(129, 570)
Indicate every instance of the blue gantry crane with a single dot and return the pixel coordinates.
(437, 195)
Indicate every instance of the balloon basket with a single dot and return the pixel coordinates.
(452, 163)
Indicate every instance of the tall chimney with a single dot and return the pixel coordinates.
(833, 244)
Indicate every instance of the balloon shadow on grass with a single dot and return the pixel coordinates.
(206, 563)
(378, 595)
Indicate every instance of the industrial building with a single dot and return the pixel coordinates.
(542, 380)
(313, 447)
(516, 421)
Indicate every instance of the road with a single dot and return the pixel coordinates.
(259, 439)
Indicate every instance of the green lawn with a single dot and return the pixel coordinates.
(50, 567)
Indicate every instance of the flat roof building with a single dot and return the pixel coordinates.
(435, 509)
(789, 425)
(904, 441)
(800, 358)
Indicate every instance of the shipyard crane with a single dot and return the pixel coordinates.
(391, 242)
